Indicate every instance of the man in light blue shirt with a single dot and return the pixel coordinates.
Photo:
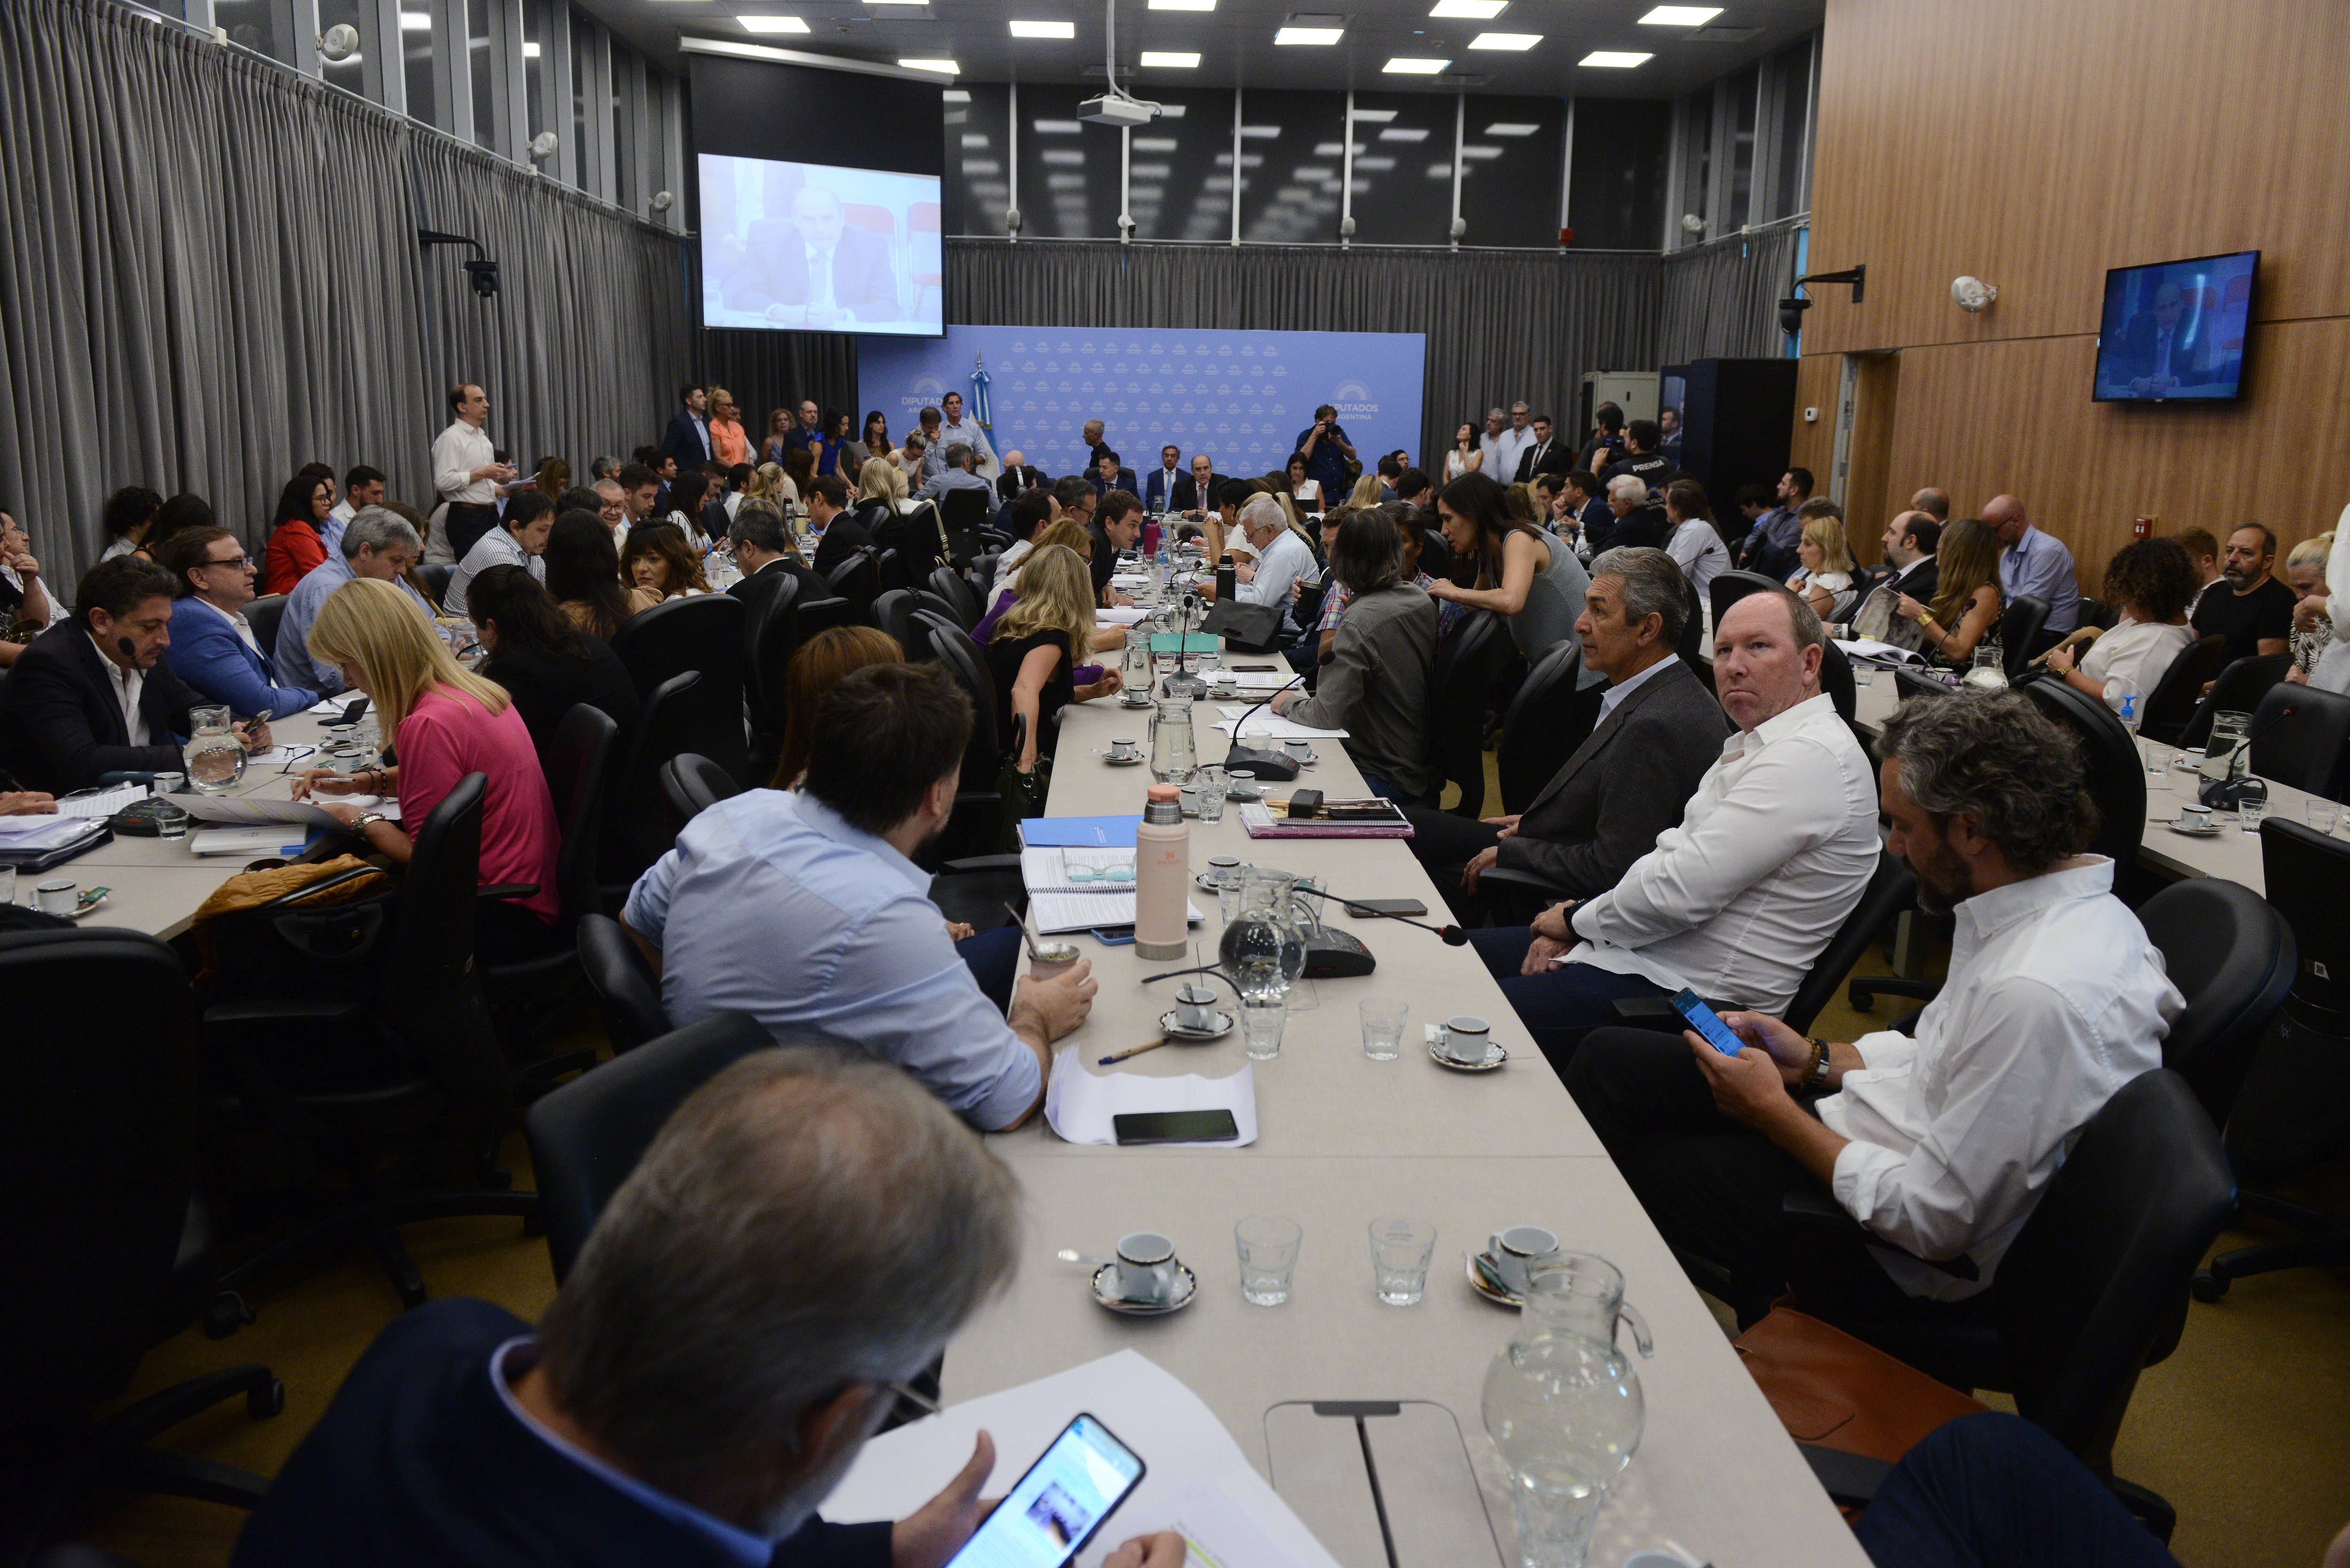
(377, 543)
(956, 475)
(2034, 563)
(802, 909)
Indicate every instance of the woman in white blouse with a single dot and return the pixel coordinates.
(1826, 580)
(2148, 582)
(1464, 455)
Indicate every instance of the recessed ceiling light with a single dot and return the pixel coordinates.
(945, 68)
(897, 1)
(1309, 34)
(530, 49)
(1376, 116)
(772, 23)
(1505, 40)
(1613, 59)
(1681, 16)
(1511, 127)
(1171, 59)
(1183, 5)
(1476, 10)
(1043, 29)
(1410, 67)
(415, 21)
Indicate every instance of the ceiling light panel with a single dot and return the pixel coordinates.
(1471, 10)
(1614, 60)
(1309, 34)
(945, 68)
(1170, 59)
(772, 23)
(1414, 67)
(1681, 16)
(1043, 29)
(1518, 41)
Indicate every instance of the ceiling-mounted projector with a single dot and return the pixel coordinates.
(1114, 109)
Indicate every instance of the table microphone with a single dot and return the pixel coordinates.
(1455, 937)
(1264, 764)
(2226, 792)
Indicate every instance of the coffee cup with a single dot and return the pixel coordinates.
(58, 897)
(1125, 750)
(1146, 1268)
(2195, 817)
(1195, 1008)
(1514, 1251)
(1298, 750)
(1466, 1039)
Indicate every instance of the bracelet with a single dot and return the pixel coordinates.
(1815, 1076)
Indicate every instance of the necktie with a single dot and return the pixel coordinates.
(821, 290)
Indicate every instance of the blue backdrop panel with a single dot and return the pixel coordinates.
(1241, 396)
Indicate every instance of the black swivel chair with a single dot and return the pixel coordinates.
(354, 1067)
(2298, 734)
(975, 824)
(703, 634)
(813, 616)
(2304, 871)
(261, 616)
(639, 829)
(1727, 587)
(2020, 624)
(436, 576)
(108, 1247)
(2177, 712)
(1911, 682)
(582, 765)
(1836, 681)
(693, 784)
(984, 567)
(1468, 662)
(893, 612)
(630, 992)
(2114, 772)
(962, 514)
(2234, 977)
(855, 579)
(962, 600)
(1548, 719)
(587, 1137)
(939, 609)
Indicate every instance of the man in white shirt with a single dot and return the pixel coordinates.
(1939, 1144)
(1502, 446)
(953, 427)
(466, 470)
(1772, 853)
(519, 540)
(1909, 543)
(362, 487)
(1280, 559)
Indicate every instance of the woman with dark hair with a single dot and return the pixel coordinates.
(546, 664)
(1966, 594)
(799, 473)
(779, 425)
(1525, 575)
(183, 511)
(2150, 581)
(129, 512)
(1375, 684)
(660, 566)
(687, 495)
(298, 540)
(876, 439)
(583, 575)
(1694, 543)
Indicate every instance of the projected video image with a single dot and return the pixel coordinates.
(811, 247)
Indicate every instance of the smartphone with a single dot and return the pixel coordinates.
(1114, 936)
(1175, 1127)
(1050, 1514)
(1708, 1023)
(1254, 669)
(1387, 906)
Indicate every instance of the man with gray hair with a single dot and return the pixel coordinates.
(764, 553)
(1659, 731)
(1634, 522)
(1939, 1143)
(804, 1234)
(1279, 558)
(961, 473)
(377, 543)
(1772, 851)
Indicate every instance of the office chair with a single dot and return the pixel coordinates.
(587, 1137)
(693, 784)
(893, 612)
(2177, 712)
(1468, 662)
(262, 617)
(962, 600)
(1727, 587)
(2233, 956)
(638, 828)
(855, 579)
(633, 1012)
(110, 1247)
(2020, 623)
(1547, 720)
(2298, 734)
(703, 634)
(581, 765)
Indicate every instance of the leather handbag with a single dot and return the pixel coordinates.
(1836, 1392)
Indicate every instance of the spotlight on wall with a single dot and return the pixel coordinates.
(1460, 227)
(663, 201)
(1011, 220)
(1346, 228)
(338, 43)
(1972, 295)
(1691, 224)
(543, 146)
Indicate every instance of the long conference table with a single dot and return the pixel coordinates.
(1342, 1140)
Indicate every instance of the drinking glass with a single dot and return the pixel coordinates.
(1383, 1021)
(1400, 1251)
(1228, 901)
(1211, 785)
(1264, 1010)
(1268, 1247)
(2158, 765)
(7, 884)
(2323, 815)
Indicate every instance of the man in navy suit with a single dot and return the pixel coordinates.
(805, 1233)
(815, 271)
(92, 696)
(1195, 493)
(2161, 351)
(1106, 474)
(213, 648)
(1159, 486)
(688, 439)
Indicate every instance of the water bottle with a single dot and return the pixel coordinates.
(1564, 1407)
(1162, 878)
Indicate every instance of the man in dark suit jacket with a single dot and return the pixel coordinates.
(1634, 522)
(65, 712)
(688, 439)
(762, 546)
(1544, 454)
(1659, 730)
(1106, 474)
(816, 270)
(2162, 349)
(1194, 492)
(828, 509)
(461, 1439)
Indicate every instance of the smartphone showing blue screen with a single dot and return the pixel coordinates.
(1707, 1022)
(1050, 1514)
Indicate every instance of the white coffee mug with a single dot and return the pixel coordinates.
(2194, 816)
(1124, 749)
(1516, 1249)
(1298, 750)
(1466, 1038)
(1146, 1267)
(58, 897)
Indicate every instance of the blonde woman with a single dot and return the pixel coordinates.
(2312, 616)
(1366, 492)
(728, 445)
(1033, 650)
(1966, 597)
(1826, 579)
(444, 722)
(883, 479)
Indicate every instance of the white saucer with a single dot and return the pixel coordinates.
(1186, 1290)
(2211, 831)
(1178, 1035)
(1134, 761)
(1491, 1290)
(1494, 1056)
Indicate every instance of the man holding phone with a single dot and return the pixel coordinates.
(805, 1233)
(1939, 1144)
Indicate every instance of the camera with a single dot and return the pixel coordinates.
(1791, 315)
(484, 275)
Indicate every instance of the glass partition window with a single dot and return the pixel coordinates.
(1291, 160)
(416, 60)
(265, 27)
(1179, 168)
(1697, 166)
(1068, 167)
(354, 74)
(481, 64)
(1739, 119)
(1403, 168)
(1511, 153)
(977, 183)
(1616, 201)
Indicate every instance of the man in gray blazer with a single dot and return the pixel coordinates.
(1659, 731)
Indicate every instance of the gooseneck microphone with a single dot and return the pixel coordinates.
(1264, 764)
(1455, 937)
(129, 651)
(2226, 792)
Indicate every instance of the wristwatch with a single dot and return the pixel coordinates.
(1815, 1076)
(367, 818)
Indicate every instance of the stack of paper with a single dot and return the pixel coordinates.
(1261, 724)
(29, 836)
(1876, 652)
(100, 803)
(1082, 1106)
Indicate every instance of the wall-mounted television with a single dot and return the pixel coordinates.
(2174, 331)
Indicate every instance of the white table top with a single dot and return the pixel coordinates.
(1343, 1140)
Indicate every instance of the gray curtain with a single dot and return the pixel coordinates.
(1721, 300)
(771, 370)
(1501, 325)
(209, 277)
